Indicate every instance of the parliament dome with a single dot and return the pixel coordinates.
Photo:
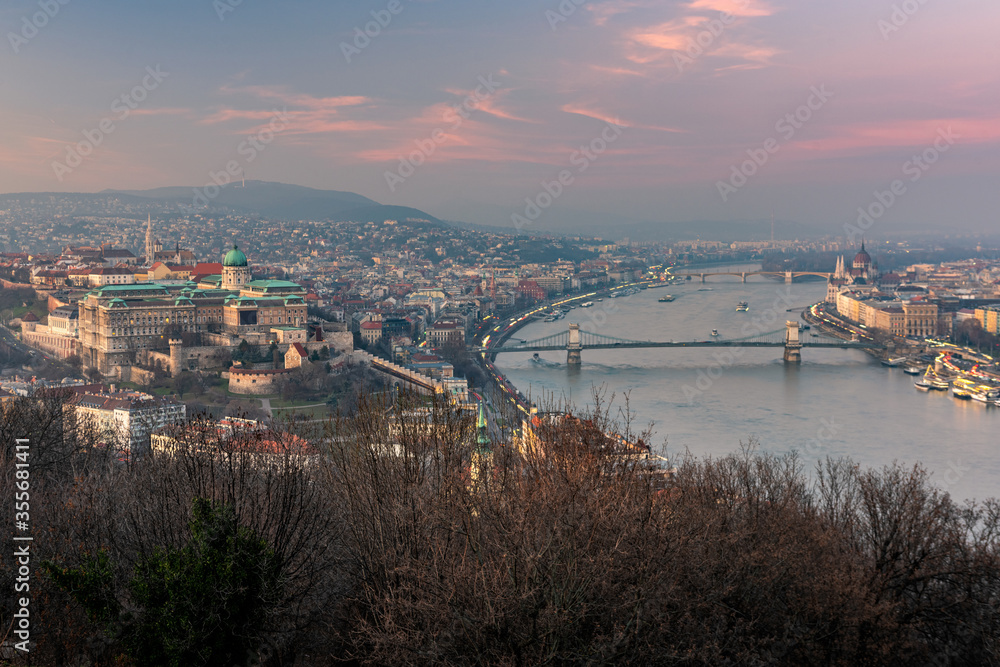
(862, 259)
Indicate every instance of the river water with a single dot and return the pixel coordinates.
(839, 403)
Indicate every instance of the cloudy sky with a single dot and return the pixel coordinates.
(647, 109)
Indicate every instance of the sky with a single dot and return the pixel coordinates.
(532, 114)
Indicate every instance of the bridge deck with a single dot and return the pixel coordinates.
(576, 340)
(723, 343)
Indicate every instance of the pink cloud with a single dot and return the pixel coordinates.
(618, 71)
(734, 7)
(753, 53)
(303, 113)
(902, 133)
(604, 11)
(670, 36)
(609, 118)
(705, 28)
(162, 111)
(590, 113)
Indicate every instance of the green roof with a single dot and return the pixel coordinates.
(131, 291)
(136, 287)
(234, 257)
(267, 286)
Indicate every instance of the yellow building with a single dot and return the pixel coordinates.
(989, 318)
(161, 271)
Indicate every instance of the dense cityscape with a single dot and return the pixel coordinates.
(166, 306)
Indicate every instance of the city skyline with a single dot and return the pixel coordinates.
(624, 110)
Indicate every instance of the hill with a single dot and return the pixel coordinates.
(281, 201)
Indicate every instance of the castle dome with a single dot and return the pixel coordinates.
(234, 257)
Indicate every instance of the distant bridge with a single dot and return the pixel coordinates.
(574, 341)
(789, 276)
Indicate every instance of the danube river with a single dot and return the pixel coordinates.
(839, 403)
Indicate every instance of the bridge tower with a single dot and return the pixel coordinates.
(574, 346)
(788, 276)
(793, 346)
(702, 277)
(744, 276)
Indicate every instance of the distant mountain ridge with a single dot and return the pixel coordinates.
(281, 201)
(276, 201)
(285, 202)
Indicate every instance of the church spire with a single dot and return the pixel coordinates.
(149, 240)
(482, 428)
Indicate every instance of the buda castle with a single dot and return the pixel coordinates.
(123, 325)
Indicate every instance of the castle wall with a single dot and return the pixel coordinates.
(256, 383)
(135, 374)
(339, 342)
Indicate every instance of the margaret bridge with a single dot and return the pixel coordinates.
(575, 340)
